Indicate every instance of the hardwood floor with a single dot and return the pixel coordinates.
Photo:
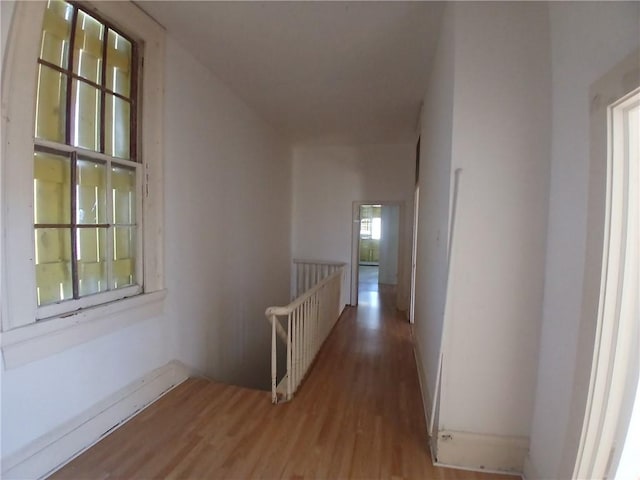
(357, 415)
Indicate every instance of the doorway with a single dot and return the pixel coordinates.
(376, 248)
(608, 446)
(414, 244)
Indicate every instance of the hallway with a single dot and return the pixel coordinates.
(368, 286)
(357, 415)
(368, 278)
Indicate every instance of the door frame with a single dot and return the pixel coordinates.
(355, 244)
(414, 237)
(414, 256)
(608, 337)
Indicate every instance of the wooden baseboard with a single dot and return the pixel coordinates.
(51, 451)
(483, 453)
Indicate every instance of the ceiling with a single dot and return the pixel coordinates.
(320, 72)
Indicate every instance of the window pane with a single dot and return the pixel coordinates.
(50, 104)
(123, 184)
(53, 265)
(51, 189)
(91, 254)
(118, 64)
(124, 262)
(91, 191)
(86, 124)
(56, 32)
(376, 228)
(87, 48)
(117, 127)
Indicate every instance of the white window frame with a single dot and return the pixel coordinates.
(19, 310)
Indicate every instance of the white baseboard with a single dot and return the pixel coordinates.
(530, 470)
(426, 403)
(54, 449)
(483, 453)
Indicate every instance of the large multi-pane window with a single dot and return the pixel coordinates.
(86, 184)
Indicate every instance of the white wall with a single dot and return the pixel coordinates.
(587, 40)
(433, 210)
(501, 141)
(6, 13)
(42, 395)
(326, 182)
(228, 225)
(389, 244)
(227, 221)
(490, 87)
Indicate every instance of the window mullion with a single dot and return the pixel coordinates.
(48, 145)
(110, 229)
(133, 110)
(141, 185)
(70, 116)
(74, 225)
(103, 85)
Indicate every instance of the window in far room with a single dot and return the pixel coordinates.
(370, 222)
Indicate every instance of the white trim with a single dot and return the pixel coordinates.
(422, 379)
(424, 394)
(439, 392)
(355, 254)
(615, 332)
(18, 105)
(54, 449)
(482, 470)
(414, 255)
(612, 281)
(38, 340)
(84, 153)
(355, 246)
(62, 309)
(481, 452)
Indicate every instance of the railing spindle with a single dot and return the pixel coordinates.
(305, 347)
(310, 318)
(296, 363)
(274, 360)
(305, 350)
(307, 277)
(311, 352)
(289, 356)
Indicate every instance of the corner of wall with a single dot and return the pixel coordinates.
(48, 453)
(422, 380)
(482, 452)
(530, 471)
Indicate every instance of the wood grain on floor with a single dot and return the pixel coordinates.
(357, 415)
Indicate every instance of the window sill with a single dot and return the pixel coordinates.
(41, 339)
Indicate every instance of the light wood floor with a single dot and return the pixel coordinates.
(358, 415)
